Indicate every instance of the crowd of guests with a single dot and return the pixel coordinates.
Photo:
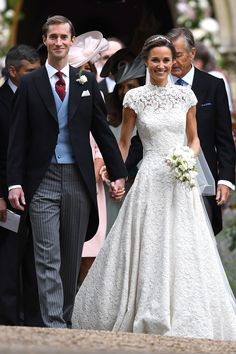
(60, 164)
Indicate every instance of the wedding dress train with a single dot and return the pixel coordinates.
(159, 270)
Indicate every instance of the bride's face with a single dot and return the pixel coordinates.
(159, 63)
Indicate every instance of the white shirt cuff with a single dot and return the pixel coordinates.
(14, 186)
(227, 183)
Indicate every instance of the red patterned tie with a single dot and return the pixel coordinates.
(60, 86)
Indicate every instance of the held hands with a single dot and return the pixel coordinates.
(17, 198)
(223, 194)
(117, 189)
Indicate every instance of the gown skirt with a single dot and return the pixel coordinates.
(159, 270)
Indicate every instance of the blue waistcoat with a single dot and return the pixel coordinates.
(63, 151)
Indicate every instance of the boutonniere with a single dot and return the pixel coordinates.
(81, 79)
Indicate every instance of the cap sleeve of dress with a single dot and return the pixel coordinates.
(191, 98)
(131, 100)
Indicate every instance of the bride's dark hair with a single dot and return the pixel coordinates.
(157, 41)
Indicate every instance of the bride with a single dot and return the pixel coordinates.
(159, 270)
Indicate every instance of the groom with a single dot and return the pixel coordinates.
(50, 167)
(213, 123)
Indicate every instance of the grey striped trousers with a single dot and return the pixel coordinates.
(59, 213)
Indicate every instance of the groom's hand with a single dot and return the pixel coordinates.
(117, 189)
(223, 194)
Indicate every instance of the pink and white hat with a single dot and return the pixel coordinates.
(87, 48)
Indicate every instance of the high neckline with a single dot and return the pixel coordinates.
(153, 86)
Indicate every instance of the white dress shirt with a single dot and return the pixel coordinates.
(12, 86)
(110, 84)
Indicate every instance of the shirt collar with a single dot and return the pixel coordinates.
(52, 71)
(12, 85)
(188, 78)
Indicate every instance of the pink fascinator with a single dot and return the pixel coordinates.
(87, 47)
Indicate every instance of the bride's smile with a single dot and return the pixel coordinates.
(159, 63)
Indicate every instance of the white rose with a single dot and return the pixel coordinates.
(83, 79)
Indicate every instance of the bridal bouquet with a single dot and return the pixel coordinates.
(182, 161)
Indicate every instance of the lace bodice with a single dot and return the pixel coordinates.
(161, 115)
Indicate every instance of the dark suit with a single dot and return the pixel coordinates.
(215, 134)
(6, 97)
(34, 135)
(16, 250)
(103, 87)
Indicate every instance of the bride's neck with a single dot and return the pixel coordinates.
(158, 83)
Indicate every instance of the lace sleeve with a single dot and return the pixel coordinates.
(191, 98)
(130, 100)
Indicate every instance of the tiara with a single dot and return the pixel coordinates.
(159, 37)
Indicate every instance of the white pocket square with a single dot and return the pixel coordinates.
(85, 93)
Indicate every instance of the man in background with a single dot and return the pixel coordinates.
(17, 268)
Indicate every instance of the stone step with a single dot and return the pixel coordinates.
(29, 340)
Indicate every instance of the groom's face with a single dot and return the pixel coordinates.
(58, 41)
(184, 58)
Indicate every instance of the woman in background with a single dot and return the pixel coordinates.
(83, 54)
(131, 74)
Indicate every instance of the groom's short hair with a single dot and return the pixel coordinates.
(56, 20)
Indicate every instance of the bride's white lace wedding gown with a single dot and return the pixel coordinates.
(159, 270)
